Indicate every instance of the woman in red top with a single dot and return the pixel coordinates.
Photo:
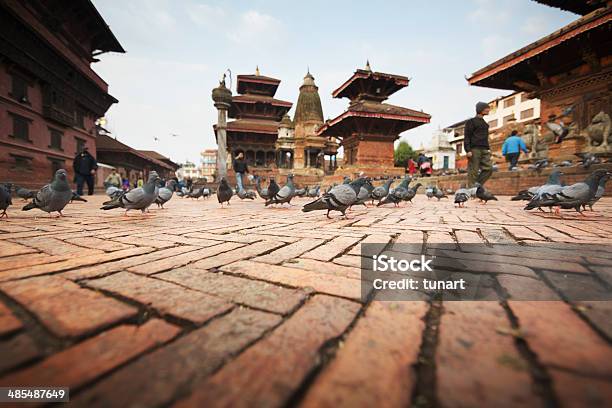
(411, 167)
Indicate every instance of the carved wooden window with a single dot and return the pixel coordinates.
(56, 139)
(21, 127)
(21, 163)
(80, 144)
(19, 88)
(79, 118)
(526, 114)
(56, 164)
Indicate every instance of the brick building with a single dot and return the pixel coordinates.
(50, 97)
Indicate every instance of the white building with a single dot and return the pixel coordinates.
(441, 152)
(188, 170)
(515, 106)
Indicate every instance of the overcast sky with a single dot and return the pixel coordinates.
(178, 49)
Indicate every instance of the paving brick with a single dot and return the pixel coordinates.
(94, 357)
(140, 241)
(298, 278)
(54, 246)
(576, 391)
(256, 294)
(237, 254)
(165, 297)
(290, 251)
(17, 350)
(331, 249)
(8, 248)
(98, 244)
(71, 263)
(520, 232)
(64, 307)
(327, 268)
(8, 321)
(373, 370)
(20, 261)
(380, 239)
(167, 263)
(116, 266)
(348, 260)
(576, 347)
(268, 373)
(474, 340)
(156, 379)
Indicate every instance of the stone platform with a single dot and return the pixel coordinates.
(196, 306)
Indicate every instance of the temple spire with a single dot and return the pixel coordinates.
(367, 67)
(257, 70)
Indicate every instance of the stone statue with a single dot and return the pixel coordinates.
(531, 134)
(598, 133)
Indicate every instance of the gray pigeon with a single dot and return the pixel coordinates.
(245, 194)
(314, 192)
(114, 192)
(526, 195)
(165, 193)
(364, 194)
(197, 193)
(381, 192)
(53, 196)
(429, 192)
(5, 198)
(484, 195)
(573, 196)
(339, 198)
(439, 193)
(224, 192)
(411, 192)
(462, 195)
(588, 159)
(301, 192)
(136, 199)
(285, 194)
(76, 197)
(397, 195)
(24, 193)
(601, 189)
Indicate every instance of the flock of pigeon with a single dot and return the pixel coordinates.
(54, 196)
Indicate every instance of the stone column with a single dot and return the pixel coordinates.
(223, 99)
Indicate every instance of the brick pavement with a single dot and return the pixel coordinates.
(251, 306)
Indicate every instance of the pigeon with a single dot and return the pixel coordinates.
(527, 195)
(76, 197)
(114, 192)
(462, 195)
(564, 163)
(339, 198)
(601, 189)
(397, 195)
(205, 192)
(138, 198)
(346, 180)
(330, 187)
(224, 192)
(245, 194)
(559, 130)
(263, 192)
(381, 192)
(53, 196)
(285, 194)
(429, 192)
(197, 193)
(573, 196)
(164, 194)
(411, 192)
(588, 159)
(483, 194)
(439, 193)
(364, 194)
(5, 198)
(314, 192)
(24, 193)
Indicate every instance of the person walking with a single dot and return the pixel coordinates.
(512, 148)
(476, 146)
(411, 167)
(85, 167)
(240, 167)
(113, 179)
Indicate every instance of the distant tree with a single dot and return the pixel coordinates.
(402, 153)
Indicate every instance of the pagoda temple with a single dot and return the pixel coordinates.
(570, 71)
(257, 117)
(369, 127)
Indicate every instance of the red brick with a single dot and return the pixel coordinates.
(17, 350)
(54, 246)
(94, 357)
(474, 340)
(576, 347)
(256, 294)
(71, 263)
(298, 278)
(328, 268)
(268, 373)
(20, 261)
(98, 244)
(290, 251)
(374, 369)
(165, 297)
(167, 263)
(237, 254)
(576, 391)
(64, 307)
(155, 379)
(8, 322)
(331, 249)
(8, 248)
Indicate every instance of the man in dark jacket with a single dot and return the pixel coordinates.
(240, 167)
(85, 167)
(476, 144)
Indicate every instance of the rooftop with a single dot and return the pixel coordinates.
(367, 84)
